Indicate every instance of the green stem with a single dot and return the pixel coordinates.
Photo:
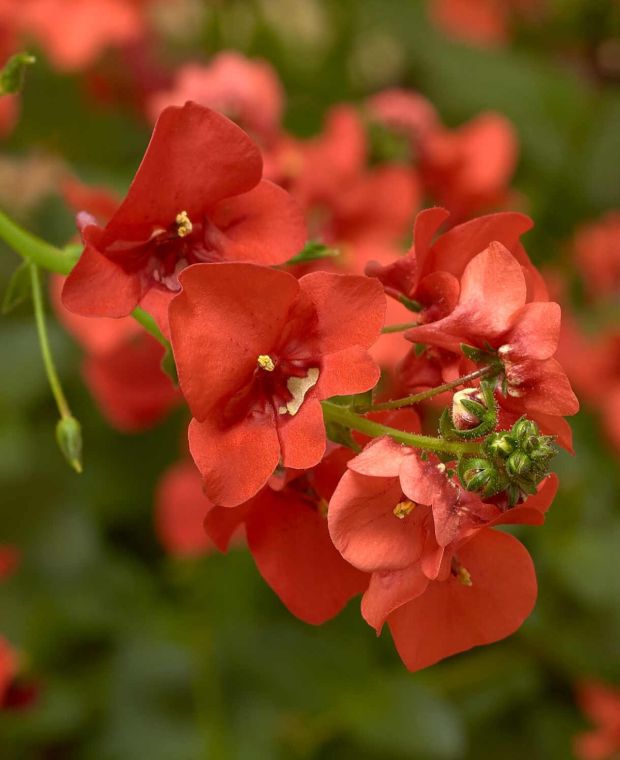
(53, 259)
(33, 249)
(398, 328)
(344, 416)
(48, 361)
(150, 325)
(416, 398)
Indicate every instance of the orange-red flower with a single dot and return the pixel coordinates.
(256, 350)
(287, 534)
(197, 196)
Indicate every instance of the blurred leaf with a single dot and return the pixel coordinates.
(13, 74)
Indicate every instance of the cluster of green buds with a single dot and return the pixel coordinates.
(512, 461)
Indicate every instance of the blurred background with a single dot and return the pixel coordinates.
(132, 642)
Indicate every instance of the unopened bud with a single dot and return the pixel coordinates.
(468, 408)
(500, 444)
(523, 430)
(518, 464)
(477, 474)
(69, 437)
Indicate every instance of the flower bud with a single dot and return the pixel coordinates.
(525, 429)
(518, 464)
(477, 474)
(468, 408)
(501, 444)
(69, 437)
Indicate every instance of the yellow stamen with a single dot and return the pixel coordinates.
(403, 508)
(265, 362)
(184, 224)
(463, 576)
(323, 507)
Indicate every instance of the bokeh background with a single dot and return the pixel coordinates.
(126, 651)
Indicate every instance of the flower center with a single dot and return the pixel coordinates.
(184, 224)
(403, 508)
(265, 362)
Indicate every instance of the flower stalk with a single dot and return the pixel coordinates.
(345, 416)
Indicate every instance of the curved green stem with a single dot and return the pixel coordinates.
(46, 353)
(417, 398)
(344, 416)
(398, 328)
(46, 256)
(33, 249)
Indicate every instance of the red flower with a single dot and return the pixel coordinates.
(597, 254)
(8, 668)
(489, 592)
(256, 350)
(492, 313)
(345, 201)
(430, 272)
(74, 33)
(9, 560)
(197, 196)
(180, 511)
(247, 91)
(470, 168)
(289, 540)
(602, 705)
(403, 519)
(407, 113)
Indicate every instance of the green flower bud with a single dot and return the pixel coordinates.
(525, 429)
(69, 437)
(518, 464)
(500, 444)
(477, 474)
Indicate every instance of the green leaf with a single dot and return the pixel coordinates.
(312, 251)
(18, 289)
(355, 401)
(13, 74)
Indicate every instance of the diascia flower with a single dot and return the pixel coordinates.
(492, 313)
(287, 534)
(247, 91)
(431, 552)
(74, 33)
(430, 272)
(256, 350)
(197, 196)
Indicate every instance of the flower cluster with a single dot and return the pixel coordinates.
(300, 441)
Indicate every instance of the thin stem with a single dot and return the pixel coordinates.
(344, 416)
(416, 398)
(33, 249)
(398, 328)
(46, 256)
(150, 325)
(48, 361)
